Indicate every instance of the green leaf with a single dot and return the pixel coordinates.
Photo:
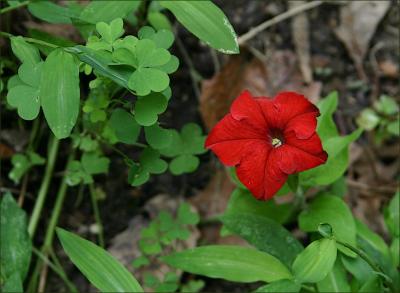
(31, 73)
(372, 238)
(358, 267)
(107, 11)
(336, 280)
(232, 263)
(333, 211)
(124, 126)
(368, 119)
(111, 32)
(337, 163)
(242, 201)
(140, 261)
(186, 216)
(326, 127)
(159, 20)
(184, 164)
(316, 261)
(373, 284)
(386, 105)
(99, 267)
(49, 38)
(394, 127)
(149, 107)
(22, 163)
(395, 251)
(392, 215)
(26, 99)
(283, 286)
(50, 12)
(13, 284)
(93, 163)
(25, 52)
(15, 244)
(265, 234)
(100, 62)
(157, 137)
(150, 163)
(59, 92)
(193, 286)
(145, 80)
(207, 22)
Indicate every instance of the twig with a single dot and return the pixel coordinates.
(10, 8)
(96, 214)
(254, 31)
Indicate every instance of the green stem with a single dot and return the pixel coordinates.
(30, 40)
(96, 214)
(44, 187)
(386, 279)
(58, 270)
(10, 8)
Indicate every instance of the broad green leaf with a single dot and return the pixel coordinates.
(265, 234)
(283, 286)
(107, 11)
(358, 267)
(372, 238)
(392, 215)
(148, 108)
(157, 137)
(395, 251)
(50, 12)
(336, 280)
(333, 211)
(232, 263)
(124, 126)
(184, 164)
(373, 284)
(337, 163)
(59, 92)
(15, 244)
(326, 127)
(13, 284)
(100, 62)
(207, 22)
(242, 201)
(25, 52)
(49, 38)
(99, 267)
(316, 261)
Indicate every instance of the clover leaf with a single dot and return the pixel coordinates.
(109, 34)
(22, 163)
(147, 108)
(124, 126)
(183, 148)
(186, 216)
(158, 137)
(163, 38)
(150, 163)
(96, 105)
(23, 91)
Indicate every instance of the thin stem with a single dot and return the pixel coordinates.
(31, 40)
(270, 22)
(387, 280)
(59, 271)
(10, 8)
(96, 214)
(44, 187)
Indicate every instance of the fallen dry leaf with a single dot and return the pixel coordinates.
(389, 68)
(358, 22)
(301, 39)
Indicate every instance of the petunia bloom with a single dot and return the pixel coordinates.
(268, 139)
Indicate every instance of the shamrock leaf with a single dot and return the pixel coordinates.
(183, 148)
(93, 163)
(149, 240)
(186, 216)
(124, 126)
(158, 137)
(22, 163)
(109, 34)
(76, 174)
(23, 91)
(150, 163)
(95, 105)
(145, 80)
(147, 108)
(162, 38)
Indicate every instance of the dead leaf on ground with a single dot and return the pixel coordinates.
(358, 22)
(301, 39)
(280, 72)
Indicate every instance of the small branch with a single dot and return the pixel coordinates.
(10, 8)
(96, 214)
(292, 12)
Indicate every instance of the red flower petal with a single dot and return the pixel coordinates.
(303, 125)
(259, 171)
(230, 138)
(246, 107)
(301, 154)
(284, 107)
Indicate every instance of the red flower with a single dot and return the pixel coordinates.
(268, 139)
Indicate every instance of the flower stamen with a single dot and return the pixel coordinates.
(276, 142)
